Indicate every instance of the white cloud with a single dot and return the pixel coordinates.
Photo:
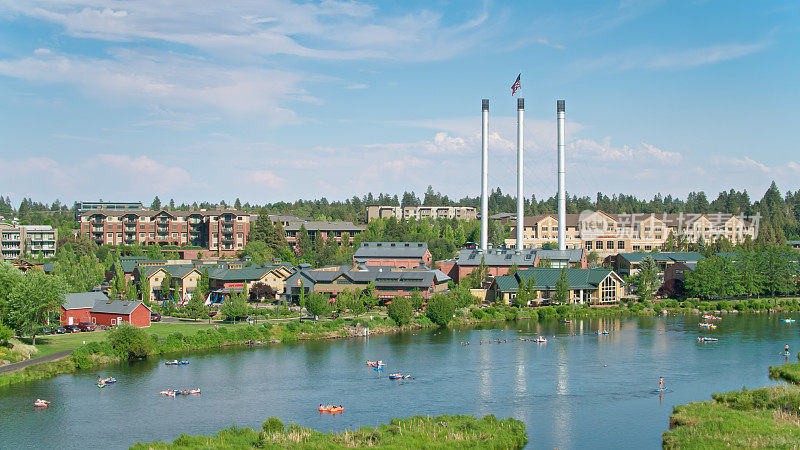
(329, 29)
(604, 151)
(266, 178)
(42, 51)
(665, 59)
(166, 80)
(102, 175)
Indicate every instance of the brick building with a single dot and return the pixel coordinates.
(395, 254)
(321, 230)
(223, 231)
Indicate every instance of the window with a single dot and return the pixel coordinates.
(152, 235)
(119, 235)
(239, 235)
(621, 245)
(647, 248)
(544, 228)
(599, 245)
(110, 235)
(183, 235)
(608, 291)
(175, 235)
(610, 245)
(636, 248)
(142, 235)
(588, 245)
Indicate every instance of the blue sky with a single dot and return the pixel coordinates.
(277, 100)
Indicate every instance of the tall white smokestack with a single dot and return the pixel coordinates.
(520, 170)
(562, 195)
(485, 175)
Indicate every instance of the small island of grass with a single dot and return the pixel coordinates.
(414, 432)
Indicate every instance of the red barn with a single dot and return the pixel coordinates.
(76, 307)
(114, 312)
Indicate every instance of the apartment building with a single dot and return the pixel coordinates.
(225, 231)
(27, 240)
(611, 233)
(84, 207)
(422, 212)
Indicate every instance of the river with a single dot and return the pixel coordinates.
(578, 390)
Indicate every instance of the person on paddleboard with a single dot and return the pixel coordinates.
(660, 383)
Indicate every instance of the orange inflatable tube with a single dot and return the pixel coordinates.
(324, 409)
(336, 409)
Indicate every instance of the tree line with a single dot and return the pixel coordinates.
(774, 270)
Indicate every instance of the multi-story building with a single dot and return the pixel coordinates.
(27, 240)
(321, 230)
(611, 233)
(422, 212)
(84, 207)
(224, 231)
(498, 261)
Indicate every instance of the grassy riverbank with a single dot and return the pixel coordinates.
(413, 432)
(760, 418)
(182, 337)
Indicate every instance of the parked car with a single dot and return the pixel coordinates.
(72, 328)
(45, 330)
(60, 330)
(86, 326)
(155, 317)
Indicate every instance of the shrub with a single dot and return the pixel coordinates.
(440, 309)
(563, 310)
(272, 425)
(547, 312)
(476, 313)
(401, 311)
(130, 342)
(6, 333)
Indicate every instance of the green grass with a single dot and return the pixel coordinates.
(787, 372)
(414, 432)
(759, 418)
(49, 344)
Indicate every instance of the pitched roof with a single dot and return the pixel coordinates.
(635, 258)
(574, 255)
(83, 300)
(247, 273)
(109, 306)
(391, 250)
(324, 226)
(496, 257)
(545, 278)
(383, 276)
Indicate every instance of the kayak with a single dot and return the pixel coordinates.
(195, 391)
(600, 332)
(41, 403)
(176, 363)
(541, 340)
(788, 320)
(395, 376)
(377, 368)
(707, 339)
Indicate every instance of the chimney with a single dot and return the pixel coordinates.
(562, 199)
(485, 174)
(520, 169)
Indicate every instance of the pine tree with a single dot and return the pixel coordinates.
(561, 294)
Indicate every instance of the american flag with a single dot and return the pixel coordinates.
(515, 86)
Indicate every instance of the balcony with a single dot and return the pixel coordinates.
(227, 231)
(227, 239)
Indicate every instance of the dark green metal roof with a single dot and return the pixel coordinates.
(546, 278)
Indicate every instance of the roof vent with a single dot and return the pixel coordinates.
(407, 244)
(393, 244)
(419, 244)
